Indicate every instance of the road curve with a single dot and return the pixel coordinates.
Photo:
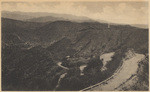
(127, 70)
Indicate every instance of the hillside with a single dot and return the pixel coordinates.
(85, 37)
(31, 51)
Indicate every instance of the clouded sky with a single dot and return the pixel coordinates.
(117, 12)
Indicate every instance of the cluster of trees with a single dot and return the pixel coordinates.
(74, 81)
(92, 73)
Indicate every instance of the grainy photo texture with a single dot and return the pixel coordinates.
(75, 46)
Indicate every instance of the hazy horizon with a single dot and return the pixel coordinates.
(114, 12)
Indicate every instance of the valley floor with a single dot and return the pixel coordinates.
(125, 72)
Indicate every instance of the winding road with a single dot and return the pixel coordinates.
(61, 76)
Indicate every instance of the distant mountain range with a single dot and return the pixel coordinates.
(43, 17)
(140, 25)
(51, 17)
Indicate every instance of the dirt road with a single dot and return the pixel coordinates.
(128, 68)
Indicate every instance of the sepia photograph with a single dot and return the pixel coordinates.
(74, 45)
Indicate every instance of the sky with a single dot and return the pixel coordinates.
(133, 12)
